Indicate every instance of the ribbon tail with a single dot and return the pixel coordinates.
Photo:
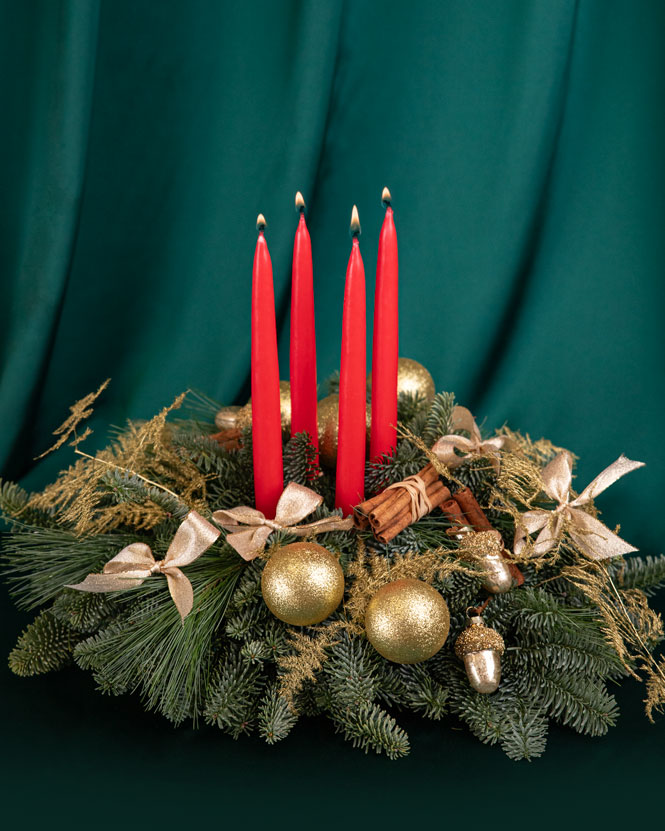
(106, 583)
(530, 522)
(181, 591)
(249, 542)
(594, 539)
(322, 526)
(605, 478)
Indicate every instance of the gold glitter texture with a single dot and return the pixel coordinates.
(302, 583)
(407, 621)
(477, 637)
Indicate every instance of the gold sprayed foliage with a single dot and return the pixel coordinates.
(143, 449)
(370, 572)
(629, 624)
(79, 411)
(307, 658)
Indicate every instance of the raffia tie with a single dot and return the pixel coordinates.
(135, 563)
(417, 490)
(295, 503)
(591, 537)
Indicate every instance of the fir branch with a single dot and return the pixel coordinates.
(232, 696)
(438, 418)
(370, 727)
(524, 733)
(644, 573)
(275, 717)
(45, 645)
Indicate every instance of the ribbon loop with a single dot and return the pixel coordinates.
(473, 447)
(590, 535)
(136, 563)
(295, 503)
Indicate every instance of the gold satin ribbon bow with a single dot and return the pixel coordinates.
(295, 503)
(135, 563)
(588, 533)
(473, 447)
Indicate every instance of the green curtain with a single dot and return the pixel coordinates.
(523, 143)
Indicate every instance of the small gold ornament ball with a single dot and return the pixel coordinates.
(302, 583)
(407, 621)
(412, 378)
(231, 417)
(328, 422)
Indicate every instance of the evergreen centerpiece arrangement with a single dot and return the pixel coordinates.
(479, 589)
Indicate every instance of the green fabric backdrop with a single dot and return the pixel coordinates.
(523, 144)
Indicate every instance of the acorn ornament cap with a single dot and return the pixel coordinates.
(481, 648)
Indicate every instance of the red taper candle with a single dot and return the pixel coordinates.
(350, 481)
(383, 437)
(303, 339)
(266, 416)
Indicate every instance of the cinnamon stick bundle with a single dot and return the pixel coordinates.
(230, 439)
(390, 512)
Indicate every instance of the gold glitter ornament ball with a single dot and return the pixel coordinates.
(328, 424)
(302, 583)
(407, 621)
(241, 417)
(412, 378)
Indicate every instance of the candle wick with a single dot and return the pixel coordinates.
(300, 203)
(386, 198)
(261, 223)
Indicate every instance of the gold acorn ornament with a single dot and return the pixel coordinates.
(302, 583)
(486, 549)
(238, 418)
(412, 378)
(407, 621)
(481, 648)
(328, 423)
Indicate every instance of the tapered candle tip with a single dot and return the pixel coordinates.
(386, 198)
(260, 223)
(300, 202)
(355, 222)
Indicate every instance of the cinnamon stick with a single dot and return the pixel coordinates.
(454, 513)
(398, 498)
(472, 511)
(385, 505)
(438, 494)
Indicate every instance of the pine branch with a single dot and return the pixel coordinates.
(41, 561)
(150, 650)
(45, 645)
